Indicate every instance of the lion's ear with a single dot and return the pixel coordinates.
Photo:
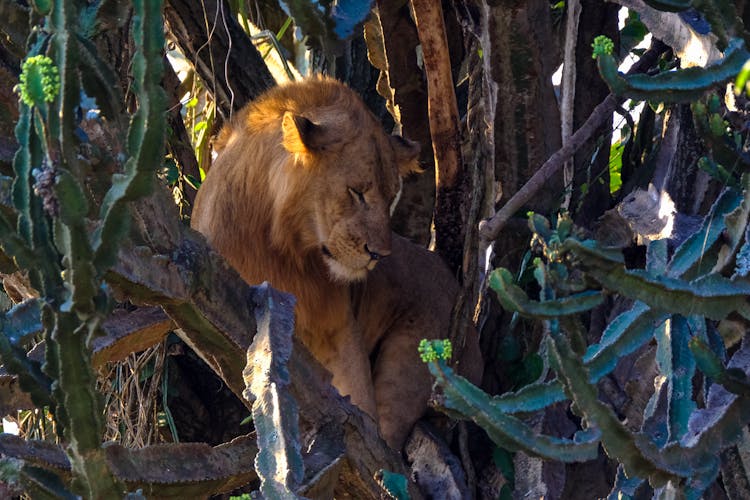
(301, 135)
(407, 153)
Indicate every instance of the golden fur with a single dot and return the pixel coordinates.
(300, 196)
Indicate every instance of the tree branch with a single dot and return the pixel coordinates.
(490, 229)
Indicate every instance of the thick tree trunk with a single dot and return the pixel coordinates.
(527, 122)
(214, 42)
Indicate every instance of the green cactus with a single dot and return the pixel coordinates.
(52, 237)
(463, 399)
(146, 135)
(673, 86)
(394, 485)
(18, 324)
(673, 297)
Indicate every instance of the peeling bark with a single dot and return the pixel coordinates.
(449, 214)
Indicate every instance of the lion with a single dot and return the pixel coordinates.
(300, 195)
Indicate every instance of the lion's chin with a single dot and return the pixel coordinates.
(343, 274)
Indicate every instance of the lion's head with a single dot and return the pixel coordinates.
(329, 179)
(356, 178)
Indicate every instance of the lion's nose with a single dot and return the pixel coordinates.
(377, 255)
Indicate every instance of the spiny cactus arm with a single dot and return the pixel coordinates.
(736, 224)
(677, 365)
(625, 488)
(72, 240)
(514, 298)
(733, 380)
(275, 414)
(81, 406)
(464, 400)
(673, 86)
(697, 255)
(720, 424)
(742, 261)
(626, 333)
(532, 397)
(42, 259)
(22, 167)
(638, 456)
(62, 120)
(145, 137)
(712, 296)
(14, 246)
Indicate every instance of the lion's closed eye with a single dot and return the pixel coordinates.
(357, 195)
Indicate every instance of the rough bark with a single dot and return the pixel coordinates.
(527, 123)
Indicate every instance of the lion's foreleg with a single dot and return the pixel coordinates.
(343, 354)
(402, 384)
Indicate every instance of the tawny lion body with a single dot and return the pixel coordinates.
(299, 196)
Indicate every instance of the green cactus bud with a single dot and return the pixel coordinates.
(602, 46)
(40, 81)
(434, 350)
